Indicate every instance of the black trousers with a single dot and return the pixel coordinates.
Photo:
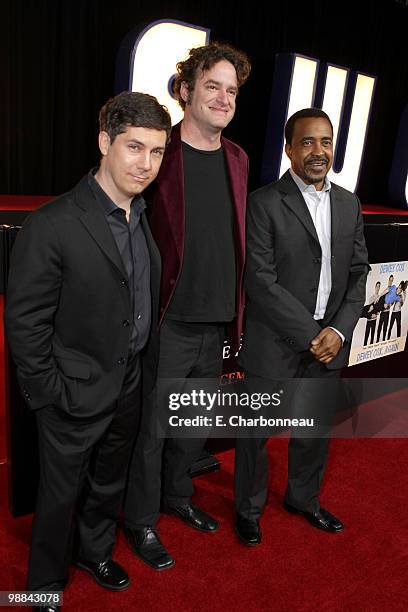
(369, 331)
(306, 455)
(383, 324)
(159, 469)
(83, 465)
(395, 318)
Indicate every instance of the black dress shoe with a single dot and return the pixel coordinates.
(146, 544)
(193, 516)
(248, 530)
(108, 574)
(322, 519)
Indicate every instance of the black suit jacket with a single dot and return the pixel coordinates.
(68, 304)
(283, 271)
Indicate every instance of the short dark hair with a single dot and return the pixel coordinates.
(305, 113)
(204, 58)
(133, 109)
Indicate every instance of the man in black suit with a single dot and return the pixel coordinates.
(305, 281)
(81, 306)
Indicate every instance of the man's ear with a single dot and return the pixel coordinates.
(104, 142)
(184, 92)
(288, 150)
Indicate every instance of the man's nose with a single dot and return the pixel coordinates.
(317, 148)
(145, 161)
(222, 96)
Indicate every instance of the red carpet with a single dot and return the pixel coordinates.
(296, 568)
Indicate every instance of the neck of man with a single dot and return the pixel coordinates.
(121, 200)
(199, 137)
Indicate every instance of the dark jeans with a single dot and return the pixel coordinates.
(159, 469)
(83, 465)
(306, 455)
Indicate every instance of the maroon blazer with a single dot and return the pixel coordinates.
(166, 213)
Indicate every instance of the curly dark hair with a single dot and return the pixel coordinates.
(204, 58)
(133, 109)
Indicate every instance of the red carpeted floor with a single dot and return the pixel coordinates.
(296, 568)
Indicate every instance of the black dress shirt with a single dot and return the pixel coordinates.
(131, 243)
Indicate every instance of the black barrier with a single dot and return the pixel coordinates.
(22, 443)
(385, 241)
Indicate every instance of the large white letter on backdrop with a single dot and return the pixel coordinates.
(147, 59)
(346, 96)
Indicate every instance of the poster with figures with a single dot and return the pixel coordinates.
(382, 327)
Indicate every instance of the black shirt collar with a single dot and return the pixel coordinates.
(137, 206)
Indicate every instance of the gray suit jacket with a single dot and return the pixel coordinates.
(282, 277)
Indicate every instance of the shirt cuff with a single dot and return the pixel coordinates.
(339, 333)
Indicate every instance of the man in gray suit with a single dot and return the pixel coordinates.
(305, 280)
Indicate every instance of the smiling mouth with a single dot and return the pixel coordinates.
(317, 165)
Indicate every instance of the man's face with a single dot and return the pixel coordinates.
(211, 104)
(311, 150)
(131, 162)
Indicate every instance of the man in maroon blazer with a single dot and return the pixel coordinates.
(197, 217)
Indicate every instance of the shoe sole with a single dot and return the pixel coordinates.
(246, 541)
(300, 513)
(102, 584)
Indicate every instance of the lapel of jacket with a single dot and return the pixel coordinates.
(336, 216)
(154, 254)
(155, 268)
(238, 184)
(93, 218)
(170, 185)
(294, 200)
(335, 205)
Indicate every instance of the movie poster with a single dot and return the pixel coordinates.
(382, 327)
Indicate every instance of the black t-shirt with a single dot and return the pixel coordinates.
(205, 290)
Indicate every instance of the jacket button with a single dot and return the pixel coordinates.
(139, 316)
(124, 282)
(121, 361)
(125, 323)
